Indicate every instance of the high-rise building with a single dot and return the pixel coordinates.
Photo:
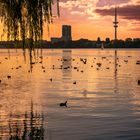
(66, 33)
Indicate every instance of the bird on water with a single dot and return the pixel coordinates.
(8, 76)
(63, 104)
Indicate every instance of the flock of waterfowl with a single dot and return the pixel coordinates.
(64, 60)
(83, 60)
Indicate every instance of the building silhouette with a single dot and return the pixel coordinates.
(66, 33)
(55, 39)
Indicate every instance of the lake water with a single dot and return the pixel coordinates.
(101, 87)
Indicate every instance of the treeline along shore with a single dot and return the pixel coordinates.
(81, 43)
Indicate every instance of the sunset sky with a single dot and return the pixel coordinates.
(94, 18)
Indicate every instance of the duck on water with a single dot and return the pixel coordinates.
(63, 104)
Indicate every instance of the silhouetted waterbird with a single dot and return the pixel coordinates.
(9, 77)
(65, 68)
(126, 61)
(32, 63)
(103, 57)
(83, 60)
(75, 67)
(65, 59)
(51, 79)
(43, 67)
(138, 82)
(63, 104)
(138, 62)
(99, 64)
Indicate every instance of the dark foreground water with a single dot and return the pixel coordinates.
(101, 88)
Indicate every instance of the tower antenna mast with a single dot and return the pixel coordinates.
(115, 23)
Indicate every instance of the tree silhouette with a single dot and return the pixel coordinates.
(24, 19)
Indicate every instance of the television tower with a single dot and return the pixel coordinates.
(115, 23)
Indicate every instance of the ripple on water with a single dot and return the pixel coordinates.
(103, 104)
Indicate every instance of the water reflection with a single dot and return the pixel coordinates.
(66, 63)
(115, 71)
(23, 126)
(31, 61)
(94, 111)
(34, 57)
(24, 55)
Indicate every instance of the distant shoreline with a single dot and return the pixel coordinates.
(77, 44)
(69, 48)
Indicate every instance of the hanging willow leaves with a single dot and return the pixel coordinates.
(24, 19)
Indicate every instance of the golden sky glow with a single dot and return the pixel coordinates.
(94, 18)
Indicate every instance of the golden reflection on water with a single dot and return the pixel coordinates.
(48, 77)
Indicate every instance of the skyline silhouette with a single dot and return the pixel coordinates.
(92, 19)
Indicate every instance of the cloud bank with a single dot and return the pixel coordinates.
(129, 12)
(128, 9)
